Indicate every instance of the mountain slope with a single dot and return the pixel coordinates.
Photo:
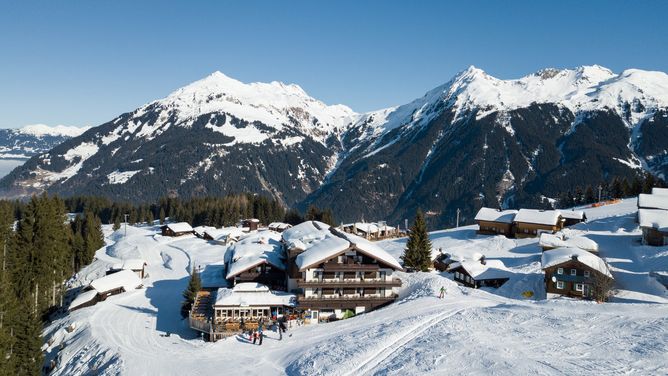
(475, 140)
(23, 143)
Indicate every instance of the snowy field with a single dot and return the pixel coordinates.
(478, 332)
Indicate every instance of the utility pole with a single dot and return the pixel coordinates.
(458, 211)
(406, 224)
(600, 188)
(36, 295)
(126, 224)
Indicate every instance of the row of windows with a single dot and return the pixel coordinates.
(578, 286)
(464, 277)
(573, 272)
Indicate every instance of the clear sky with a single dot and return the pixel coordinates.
(85, 62)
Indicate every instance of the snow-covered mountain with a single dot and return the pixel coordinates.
(475, 140)
(23, 143)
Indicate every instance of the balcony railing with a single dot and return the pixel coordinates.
(349, 266)
(331, 298)
(388, 282)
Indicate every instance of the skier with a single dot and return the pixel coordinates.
(442, 292)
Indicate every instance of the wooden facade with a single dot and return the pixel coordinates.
(654, 237)
(495, 228)
(531, 230)
(166, 231)
(571, 278)
(265, 274)
(462, 276)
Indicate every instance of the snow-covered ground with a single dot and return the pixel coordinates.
(483, 331)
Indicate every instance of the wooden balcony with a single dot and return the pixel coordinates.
(351, 283)
(344, 302)
(351, 266)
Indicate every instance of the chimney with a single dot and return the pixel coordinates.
(574, 257)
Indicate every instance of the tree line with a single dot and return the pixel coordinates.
(614, 189)
(41, 249)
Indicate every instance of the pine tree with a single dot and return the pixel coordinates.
(189, 295)
(27, 348)
(417, 254)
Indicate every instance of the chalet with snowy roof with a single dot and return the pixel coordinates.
(177, 229)
(559, 240)
(480, 272)
(224, 236)
(371, 231)
(258, 257)
(136, 265)
(654, 226)
(279, 226)
(573, 217)
(338, 271)
(249, 225)
(242, 307)
(531, 222)
(200, 231)
(494, 221)
(101, 288)
(573, 272)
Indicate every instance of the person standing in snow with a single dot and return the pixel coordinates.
(442, 294)
(260, 335)
(254, 335)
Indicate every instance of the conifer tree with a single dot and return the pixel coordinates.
(417, 254)
(194, 286)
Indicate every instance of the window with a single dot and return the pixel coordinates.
(560, 271)
(560, 285)
(586, 273)
(578, 287)
(574, 272)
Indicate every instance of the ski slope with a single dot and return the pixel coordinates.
(477, 332)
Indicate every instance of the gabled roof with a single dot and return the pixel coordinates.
(303, 234)
(495, 215)
(255, 249)
(253, 295)
(559, 256)
(130, 264)
(558, 241)
(83, 298)
(200, 230)
(539, 217)
(179, 227)
(653, 218)
(279, 226)
(370, 249)
(224, 233)
(573, 214)
(646, 201)
(491, 269)
(321, 250)
(127, 279)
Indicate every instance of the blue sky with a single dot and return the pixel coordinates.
(85, 62)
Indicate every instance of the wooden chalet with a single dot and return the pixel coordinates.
(223, 236)
(176, 229)
(531, 222)
(228, 311)
(250, 224)
(102, 288)
(339, 271)
(654, 226)
(494, 221)
(136, 265)
(279, 226)
(572, 272)
(259, 258)
(573, 217)
(480, 272)
(371, 230)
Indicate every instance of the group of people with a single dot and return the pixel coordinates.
(256, 336)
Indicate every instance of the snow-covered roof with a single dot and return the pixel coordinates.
(279, 226)
(83, 298)
(368, 228)
(200, 230)
(256, 249)
(371, 249)
(660, 191)
(558, 241)
(653, 218)
(253, 294)
(127, 279)
(494, 215)
(647, 201)
(303, 234)
(213, 275)
(540, 217)
(224, 233)
(180, 227)
(321, 250)
(561, 255)
(491, 269)
(573, 214)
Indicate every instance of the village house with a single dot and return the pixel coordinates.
(573, 272)
(480, 272)
(249, 225)
(493, 221)
(136, 265)
(242, 307)
(101, 288)
(200, 231)
(177, 229)
(573, 217)
(224, 236)
(258, 257)
(339, 271)
(654, 226)
(371, 230)
(559, 240)
(279, 226)
(531, 222)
